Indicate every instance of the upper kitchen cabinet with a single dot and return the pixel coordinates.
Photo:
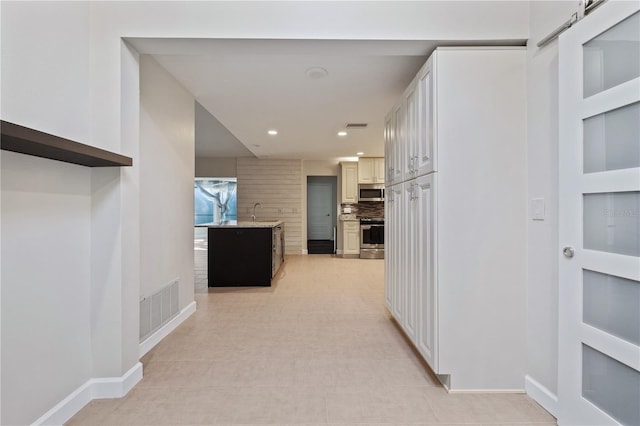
(349, 181)
(389, 146)
(371, 170)
(420, 147)
(409, 130)
(395, 143)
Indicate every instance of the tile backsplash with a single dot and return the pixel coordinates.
(369, 209)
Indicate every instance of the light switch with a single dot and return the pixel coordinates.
(347, 209)
(536, 207)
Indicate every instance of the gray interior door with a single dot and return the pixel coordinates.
(321, 207)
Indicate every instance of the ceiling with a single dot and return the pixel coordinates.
(252, 86)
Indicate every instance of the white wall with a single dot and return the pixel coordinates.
(216, 167)
(46, 211)
(167, 159)
(321, 168)
(45, 79)
(46, 335)
(542, 158)
(277, 186)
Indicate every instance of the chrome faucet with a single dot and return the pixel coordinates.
(253, 216)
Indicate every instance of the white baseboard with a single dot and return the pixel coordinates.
(155, 338)
(110, 387)
(107, 387)
(118, 387)
(543, 396)
(459, 391)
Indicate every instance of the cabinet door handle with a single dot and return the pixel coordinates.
(414, 190)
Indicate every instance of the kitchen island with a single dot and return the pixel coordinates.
(244, 253)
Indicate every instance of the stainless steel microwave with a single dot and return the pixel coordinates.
(370, 192)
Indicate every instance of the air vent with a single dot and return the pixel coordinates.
(357, 125)
(156, 310)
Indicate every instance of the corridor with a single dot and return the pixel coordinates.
(315, 348)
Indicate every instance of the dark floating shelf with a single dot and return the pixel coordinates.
(33, 142)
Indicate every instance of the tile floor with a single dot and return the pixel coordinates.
(315, 348)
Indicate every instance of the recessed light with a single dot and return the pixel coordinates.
(316, 72)
(359, 153)
(342, 133)
(273, 132)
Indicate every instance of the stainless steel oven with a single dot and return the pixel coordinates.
(372, 238)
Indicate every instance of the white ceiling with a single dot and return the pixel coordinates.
(251, 86)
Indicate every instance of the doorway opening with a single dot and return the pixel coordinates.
(321, 214)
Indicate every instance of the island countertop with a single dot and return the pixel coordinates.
(243, 224)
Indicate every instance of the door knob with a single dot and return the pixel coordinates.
(568, 252)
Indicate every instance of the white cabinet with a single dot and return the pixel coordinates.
(423, 209)
(389, 148)
(351, 238)
(349, 181)
(399, 142)
(420, 153)
(456, 216)
(409, 214)
(366, 172)
(403, 214)
(409, 130)
(394, 144)
(394, 252)
(378, 165)
(411, 100)
(371, 170)
(390, 273)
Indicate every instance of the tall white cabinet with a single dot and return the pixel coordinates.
(456, 216)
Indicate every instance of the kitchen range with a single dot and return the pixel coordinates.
(371, 237)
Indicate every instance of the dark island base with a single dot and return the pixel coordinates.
(239, 257)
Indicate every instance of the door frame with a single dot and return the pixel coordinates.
(333, 180)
